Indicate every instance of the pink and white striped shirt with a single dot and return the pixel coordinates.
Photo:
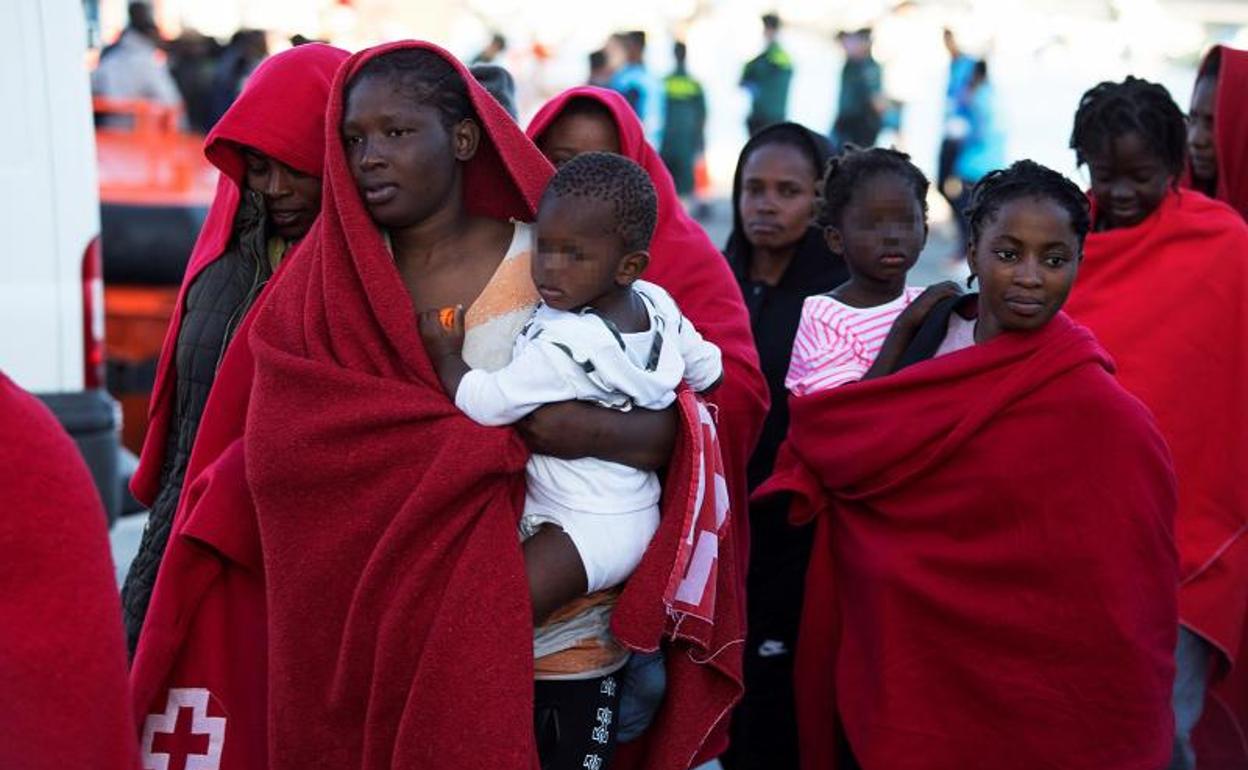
(836, 344)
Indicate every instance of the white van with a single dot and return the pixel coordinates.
(51, 282)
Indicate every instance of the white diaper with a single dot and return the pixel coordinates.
(610, 544)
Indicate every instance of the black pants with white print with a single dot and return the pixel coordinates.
(575, 722)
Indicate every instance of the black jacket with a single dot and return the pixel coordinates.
(217, 300)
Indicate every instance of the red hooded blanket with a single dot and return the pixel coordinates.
(200, 658)
(998, 533)
(1230, 128)
(397, 614)
(281, 112)
(62, 660)
(1169, 299)
(685, 262)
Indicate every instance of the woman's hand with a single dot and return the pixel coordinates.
(641, 438)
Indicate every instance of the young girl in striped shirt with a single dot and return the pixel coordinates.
(874, 213)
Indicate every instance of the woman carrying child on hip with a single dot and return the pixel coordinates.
(600, 335)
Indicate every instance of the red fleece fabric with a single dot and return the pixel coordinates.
(281, 113)
(996, 563)
(63, 687)
(1169, 299)
(685, 262)
(684, 594)
(1230, 128)
(201, 656)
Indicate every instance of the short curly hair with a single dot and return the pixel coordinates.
(852, 168)
(1110, 110)
(1026, 179)
(617, 181)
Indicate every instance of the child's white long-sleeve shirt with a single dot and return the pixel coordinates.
(562, 356)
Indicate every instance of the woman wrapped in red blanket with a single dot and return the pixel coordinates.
(1165, 289)
(268, 147)
(62, 660)
(1217, 129)
(993, 581)
(398, 625)
(200, 656)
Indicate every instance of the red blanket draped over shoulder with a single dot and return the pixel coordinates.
(199, 670)
(997, 540)
(62, 659)
(1230, 127)
(1169, 299)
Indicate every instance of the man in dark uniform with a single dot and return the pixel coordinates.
(767, 78)
(684, 124)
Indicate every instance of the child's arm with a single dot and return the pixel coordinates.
(906, 326)
(443, 333)
(534, 377)
(704, 363)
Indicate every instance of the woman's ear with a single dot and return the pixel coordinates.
(466, 136)
(832, 237)
(970, 263)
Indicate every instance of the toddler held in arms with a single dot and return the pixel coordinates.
(602, 335)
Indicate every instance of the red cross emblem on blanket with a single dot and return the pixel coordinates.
(184, 737)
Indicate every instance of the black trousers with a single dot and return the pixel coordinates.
(575, 722)
(764, 726)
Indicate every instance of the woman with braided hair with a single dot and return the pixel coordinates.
(993, 577)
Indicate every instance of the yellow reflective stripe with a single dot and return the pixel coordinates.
(681, 87)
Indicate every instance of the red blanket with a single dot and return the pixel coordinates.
(62, 660)
(1169, 299)
(685, 594)
(201, 655)
(281, 112)
(1230, 128)
(997, 540)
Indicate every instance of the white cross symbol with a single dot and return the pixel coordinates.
(178, 749)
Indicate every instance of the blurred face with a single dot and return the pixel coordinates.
(575, 133)
(1026, 259)
(292, 199)
(1129, 181)
(405, 161)
(777, 196)
(1200, 147)
(579, 258)
(882, 230)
